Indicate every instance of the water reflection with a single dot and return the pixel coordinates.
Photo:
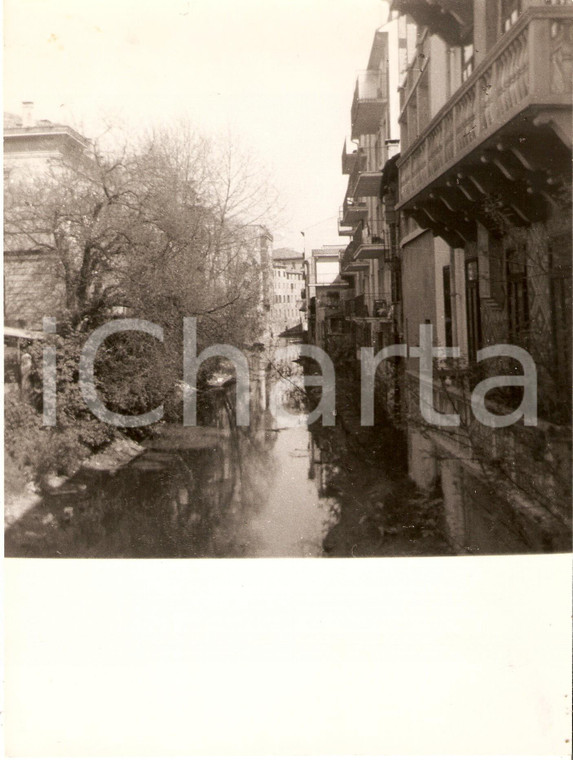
(241, 495)
(284, 514)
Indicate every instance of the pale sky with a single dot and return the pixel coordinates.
(278, 73)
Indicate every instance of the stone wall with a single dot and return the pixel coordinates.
(32, 289)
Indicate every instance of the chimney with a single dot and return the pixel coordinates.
(27, 113)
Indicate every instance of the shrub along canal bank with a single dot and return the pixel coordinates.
(216, 491)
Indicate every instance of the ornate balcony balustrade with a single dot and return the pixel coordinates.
(528, 73)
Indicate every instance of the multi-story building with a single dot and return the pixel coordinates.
(288, 288)
(484, 197)
(256, 247)
(288, 291)
(370, 264)
(33, 286)
(327, 294)
(365, 264)
(290, 258)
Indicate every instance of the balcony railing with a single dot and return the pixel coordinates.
(359, 165)
(353, 211)
(331, 308)
(365, 179)
(378, 306)
(356, 266)
(348, 256)
(369, 306)
(370, 240)
(373, 247)
(343, 227)
(529, 66)
(370, 98)
(368, 184)
(348, 158)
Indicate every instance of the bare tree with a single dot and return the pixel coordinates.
(160, 228)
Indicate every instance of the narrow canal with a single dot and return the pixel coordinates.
(193, 492)
(188, 494)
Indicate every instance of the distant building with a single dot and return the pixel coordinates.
(33, 283)
(257, 243)
(290, 258)
(327, 295)
(288, 291)
(33, 146)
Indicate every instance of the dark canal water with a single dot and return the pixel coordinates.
(190, 493)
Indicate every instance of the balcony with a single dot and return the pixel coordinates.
(505, 132)
(348, 159)
(344, 229)
(353, 267)
(353, 212)
(375, 247)
(365, 179)
(332, 307)
(368, 306)
(368, 185)
(366, 244)
(370, 98)
(449, 19)
(358, 235)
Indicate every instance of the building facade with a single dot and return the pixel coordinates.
(33, 151)
(327, 294)
(484, 200)
(465, 234)
(288, 292)
(370, 262)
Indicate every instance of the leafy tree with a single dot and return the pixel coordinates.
(162, 228)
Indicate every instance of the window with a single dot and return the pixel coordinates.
(473, 308)
(510, 12)
(467, 61)
(448, 305)
(517, 296)
(396, 281)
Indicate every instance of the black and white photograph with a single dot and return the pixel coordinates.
(287, 280)
(225, 337)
